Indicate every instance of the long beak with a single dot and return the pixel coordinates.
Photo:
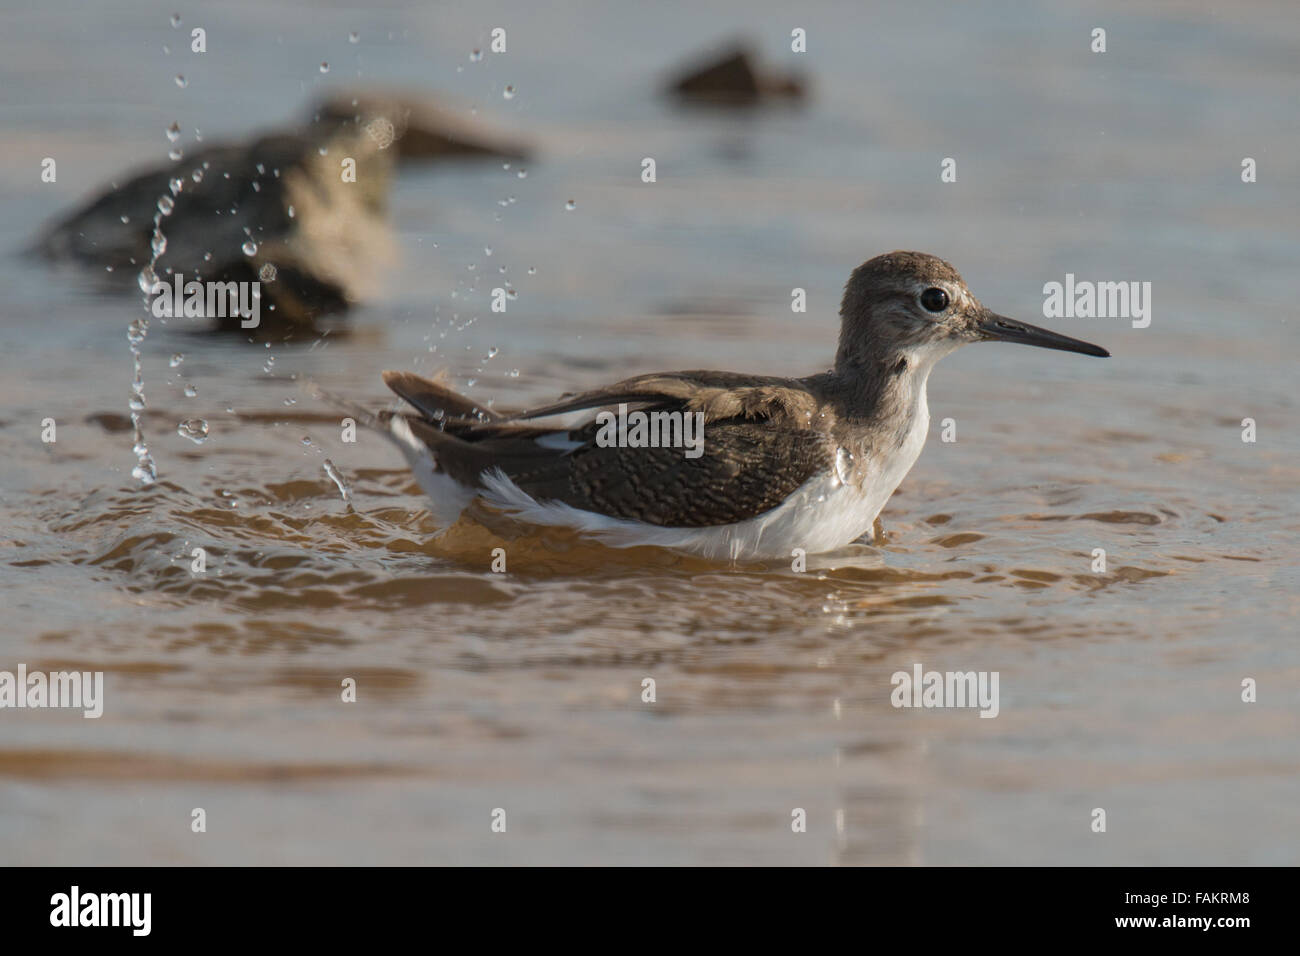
(998, 328)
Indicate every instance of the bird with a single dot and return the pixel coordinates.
(753, 466)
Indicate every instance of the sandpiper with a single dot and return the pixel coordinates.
(785, 463)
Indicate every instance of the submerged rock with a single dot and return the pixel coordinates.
(423, 128)
(732, 78)
(283, 209)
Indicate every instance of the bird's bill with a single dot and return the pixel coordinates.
(998, 328)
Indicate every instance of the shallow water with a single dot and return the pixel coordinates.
(1119, 689)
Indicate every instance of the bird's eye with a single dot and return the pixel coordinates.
(934, 300)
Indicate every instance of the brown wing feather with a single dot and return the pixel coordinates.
(747, 467)
(758, 448)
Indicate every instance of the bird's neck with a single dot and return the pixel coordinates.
(881, 388)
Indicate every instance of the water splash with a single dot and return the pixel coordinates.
(146, 469)
(843, 466)
(336, 476)
(195, 429)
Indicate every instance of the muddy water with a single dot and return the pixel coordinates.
(1119, 688)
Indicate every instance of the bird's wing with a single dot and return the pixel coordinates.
(758, 445)
(698, 390)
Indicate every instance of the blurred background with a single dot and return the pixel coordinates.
(1119, 689)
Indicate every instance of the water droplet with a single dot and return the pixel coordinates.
(176, 184)
(166, 205)
(508, 93)
(532, 270)
(197, 175)
(175, 154)
(268, 272)
(173, 132)
(522, 174)
(195, 429)
(487, 250)
(471, 382)
(191, 391)
(475, 56)
(125, 219)
(176, 359)
(290, 211)
(158, 243)
(250, 248)
(354, 37)
(181, 81)
(491, 353)
(176, 20)
(324, 67)
(570, 205)
(843, 466)
(148, 280)
(337, 477)
(513, 373)
(270, 364)
(511, 293)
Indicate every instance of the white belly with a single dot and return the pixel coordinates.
(822, 514)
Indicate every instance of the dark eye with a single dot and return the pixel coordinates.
(934, 300)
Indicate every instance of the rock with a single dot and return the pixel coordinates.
(423, 128)
(326, 240)
(731, 79)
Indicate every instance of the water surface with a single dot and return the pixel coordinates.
(1119, 689)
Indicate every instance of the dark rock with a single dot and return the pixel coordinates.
(732, 79)
(325, 240)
